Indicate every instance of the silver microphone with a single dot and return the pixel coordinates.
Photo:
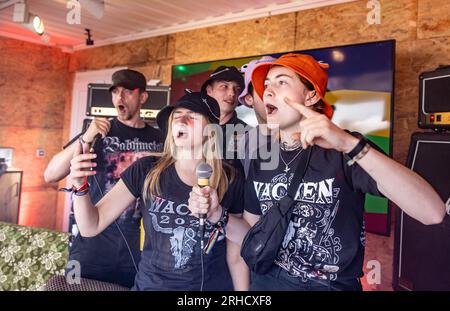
(204, 172)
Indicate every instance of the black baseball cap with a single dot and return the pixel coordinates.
(225, 73)
(129, 79)
(195, 101)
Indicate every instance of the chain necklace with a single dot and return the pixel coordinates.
(287, 168)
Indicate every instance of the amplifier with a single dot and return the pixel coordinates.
(434, 99)
(100, 104)
(422, 253)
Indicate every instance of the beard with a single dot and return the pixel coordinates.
(124, 112)
(125, 116)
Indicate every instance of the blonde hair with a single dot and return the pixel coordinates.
(218, 180)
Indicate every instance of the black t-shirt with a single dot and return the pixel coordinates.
(232, 132)
(326, 236)
(171, 256)
(119, 149)
(253, 144)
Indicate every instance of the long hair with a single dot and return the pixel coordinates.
(218, 180)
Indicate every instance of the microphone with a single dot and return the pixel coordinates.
(204, 172)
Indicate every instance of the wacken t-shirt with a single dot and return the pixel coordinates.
(106, 257)
(325, 238)
(171, 258)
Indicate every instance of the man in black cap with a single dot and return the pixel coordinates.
(113, 255)
(224, 85)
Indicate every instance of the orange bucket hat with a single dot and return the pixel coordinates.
(304, 65)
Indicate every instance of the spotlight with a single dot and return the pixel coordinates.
(29, 20)
(38, 24)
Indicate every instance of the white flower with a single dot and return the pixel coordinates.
(7, 253)
(38, 239)
(64, 238)
(24, 231)
(38, 284)
(3, 277)
(22, 269)
(49, 259)
(3, 234)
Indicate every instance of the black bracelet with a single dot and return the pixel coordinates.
(357, 149)
(223, 220)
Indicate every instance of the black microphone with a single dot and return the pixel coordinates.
(204, 172)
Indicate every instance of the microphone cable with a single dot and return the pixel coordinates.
(202, 262)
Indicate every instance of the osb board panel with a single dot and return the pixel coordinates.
(33, 82)
(253, 37)
(433, 19)
(25, 143)
(161, 70)
(38, 208)
(133, 53)
(60, 212)
(347, 24)
(413, 58)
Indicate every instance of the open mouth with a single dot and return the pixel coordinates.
(271, 109)
(181, 134)
(121, 108)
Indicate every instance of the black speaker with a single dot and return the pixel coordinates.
(100, 104)
(434, 99)
(422, 253)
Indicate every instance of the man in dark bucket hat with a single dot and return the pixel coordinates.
(225, 84)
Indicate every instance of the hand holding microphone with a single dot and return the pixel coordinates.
(204, 172)
(98, 126)
(203, 200)
(81, 166)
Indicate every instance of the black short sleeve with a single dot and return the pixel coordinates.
(233, 200)
(134, 176)
(251, 201)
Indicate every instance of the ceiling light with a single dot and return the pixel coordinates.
(37, 23)
(29, 20)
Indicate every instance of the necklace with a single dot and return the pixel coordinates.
(287, 168)
(284, 146)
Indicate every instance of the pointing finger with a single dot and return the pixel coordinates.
(305, 111)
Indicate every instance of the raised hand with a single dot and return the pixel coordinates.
(81, 166)
(98, 126)
(317, 129)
